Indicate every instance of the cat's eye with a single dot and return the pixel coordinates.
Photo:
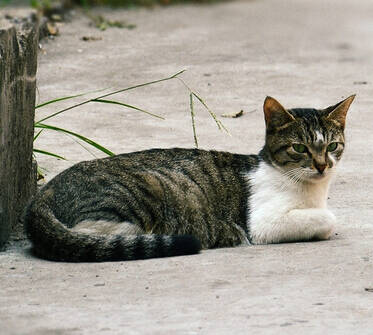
(301, 148)
(332, 146)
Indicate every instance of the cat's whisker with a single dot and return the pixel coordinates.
(294, 176)
(291, 173)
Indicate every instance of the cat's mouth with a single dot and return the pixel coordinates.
(316, 176)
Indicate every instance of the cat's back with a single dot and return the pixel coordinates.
(169, 177)
(175, 160)
(178, 158)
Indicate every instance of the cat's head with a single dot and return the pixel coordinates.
(305, 143)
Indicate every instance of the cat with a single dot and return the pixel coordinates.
(170, 202)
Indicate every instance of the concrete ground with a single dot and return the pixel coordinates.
(309, 53)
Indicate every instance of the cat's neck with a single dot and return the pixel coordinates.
(316, 194)
(303, 194)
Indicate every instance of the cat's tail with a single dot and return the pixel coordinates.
(54, 241)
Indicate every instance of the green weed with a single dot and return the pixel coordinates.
(40, 125)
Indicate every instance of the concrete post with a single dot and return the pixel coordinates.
(18, 61)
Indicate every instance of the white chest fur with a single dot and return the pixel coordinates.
(281, 210)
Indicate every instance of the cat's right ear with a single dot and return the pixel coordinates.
(275, 115)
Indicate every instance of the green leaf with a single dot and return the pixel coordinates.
(81, 137)
(40, 174)
(191, 105)
(217, 121)
(112, 93)
(37, 135)
(34, 3)
(66, 98)
(126, 105)
(142, 85)
(48, 153)
(4, 3)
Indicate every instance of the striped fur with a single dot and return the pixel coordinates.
(170, 202)
(180, 200)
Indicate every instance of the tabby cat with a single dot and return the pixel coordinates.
(169, 202)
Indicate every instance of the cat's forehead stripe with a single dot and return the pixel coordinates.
(319, 137)
(314, 128)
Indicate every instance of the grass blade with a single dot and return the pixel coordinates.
(193, 121)
(78, 142)
(56, 100)
(142, 85)
(48, 153)
(37, 135)
(40, 174)
(111, 93)
(81, 137)
(213, 115)
(66, 98)
(63, 110)
(128, 106)
(217, 121)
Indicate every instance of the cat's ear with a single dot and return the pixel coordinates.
(275, 115)
(338, 112)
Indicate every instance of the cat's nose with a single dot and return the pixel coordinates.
(320, 167)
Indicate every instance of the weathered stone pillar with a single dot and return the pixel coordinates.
(18, 61)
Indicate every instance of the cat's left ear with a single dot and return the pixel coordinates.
(338, 112)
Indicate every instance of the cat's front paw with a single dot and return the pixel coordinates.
(325, 233)
(326, 226)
